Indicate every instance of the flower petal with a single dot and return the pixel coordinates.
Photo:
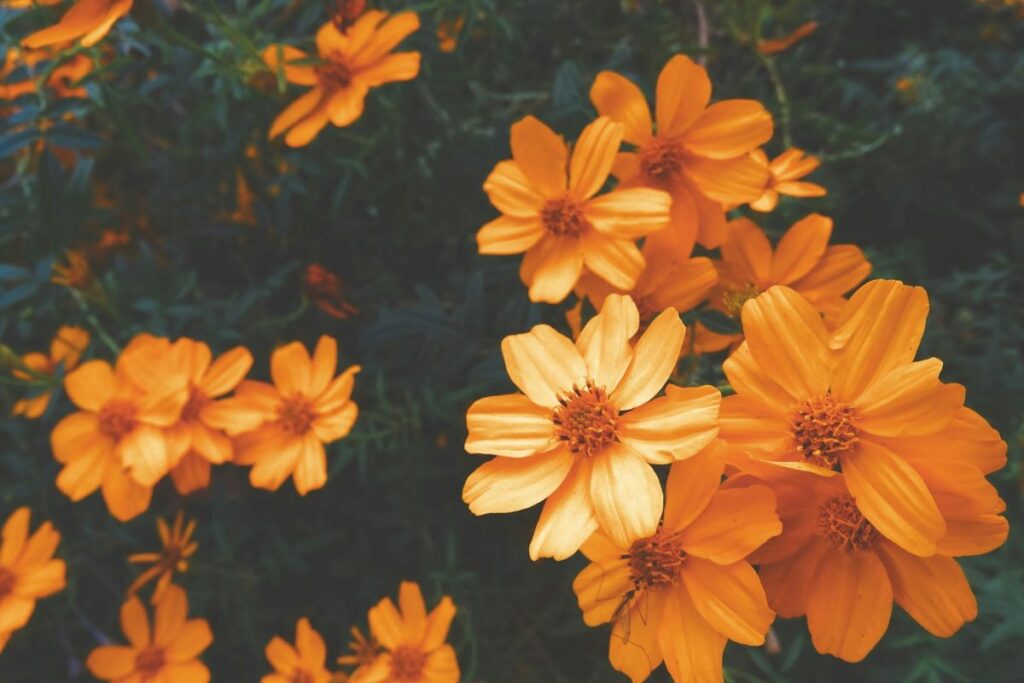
(747, 254)
(691, 485)
(909, 401)
(91, 385)
(674, 427)
(788, 583)
(512, 484)
(654, 358)
(600, 590)
(730, 598)
(630, 213)
(731, 181)
(683, 93)
(227, 372)
(604, 343)
(438, 623)
(735, 523)
(567, 519)
(111, 662)
(552, 268)
(621, 100)
(543, 364)
(841, 268)
(728, 129)
(626, 494)
(800, 248)
(593, 156)
(617, 262)
(542, 156)
(509, 235)
(510, 191)
(691, 646)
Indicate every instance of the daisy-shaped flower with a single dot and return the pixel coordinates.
(696, 152)
(586, 428)
(305, 662)
(178, 547)
(167, 651)
(681, 589)
(281, 428)
(807, 399)
(28, 571)
(803, 260)
(412, 641)
(88, 21)
(67, 347)
(784, 174)
(837, 568)
(551, 211)
(350, 63)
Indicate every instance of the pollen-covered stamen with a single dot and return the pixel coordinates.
(197, 400)
(656, 561)
(823, 429)
(841, 522)
(734, 298)
(150, 662)
(586, 420)
(563, 217)
(296, 415)
(7, 581)
(117, 419)
(407, 663)
(661, 158)
(334, 75)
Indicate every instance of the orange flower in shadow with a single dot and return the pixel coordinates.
(326, 290)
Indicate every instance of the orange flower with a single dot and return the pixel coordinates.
(698, 153)
(586, 428)
(550, 210)
(304, 663)
(784, 173)
(76, 274)
(326, 290)
(846, 401)
(63, 79)
(679, 590)
(350, 64)
(67, 347)
(25, 4)
(87, 21)
(28, 571)
(195, 435)
(448, 34)
(844, 573)
(167, 652)
(116, 440)
(281, 428)
(413, 641)
(364, 650)
(802, 260)
(776, 45)
(178, 547)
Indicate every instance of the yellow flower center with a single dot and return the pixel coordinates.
(661, 158)
(334, 75)
(841, 522)
(117, 419)
(296, 415)
(656, 561)
(563, 217)
(7, 581)
(823, 429)
(734, 298)
(150, 662)
(586, 419)
(197, 400)
(407, 663)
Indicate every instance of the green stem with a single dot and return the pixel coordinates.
(94, 322)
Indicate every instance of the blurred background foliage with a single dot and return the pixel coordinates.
(192, 223)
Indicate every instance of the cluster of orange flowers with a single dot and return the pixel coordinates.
(840, 466)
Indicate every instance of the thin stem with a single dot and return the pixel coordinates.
(83, 305)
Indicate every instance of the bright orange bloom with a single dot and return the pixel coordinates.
(846, 401)
(281, 428)
(698, 153)
(116, 441)
(67, 347)
(550, 210)
(178, 547)
(351, 63)
(776, 45)
(168, 651)
(844, 573)
(587, 427)
(326, 290)
(448, 34)
(87, 21)
(681, 589)
(194, 436)
(303, 663)
(413, 641)
(28, 571)
(784, 173)
(802, 260)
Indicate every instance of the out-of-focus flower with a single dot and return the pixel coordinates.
(67, 347)
(326, 290)
(909, 87)
(305, 662)
(551, 213)
(585, 430)
(776, 45)
(680, 590)
(25, 4)
(243, 212)
(63, 80)
(167, 650)
(448, 31)
(281, 428)
(88, 21)
(178, 547)
(412, 641)
(28, 571)
(75, 272)
(363, 649)
(351, 63)
(802, 260)
(698, 153)
(784, 173)
(345, 12)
